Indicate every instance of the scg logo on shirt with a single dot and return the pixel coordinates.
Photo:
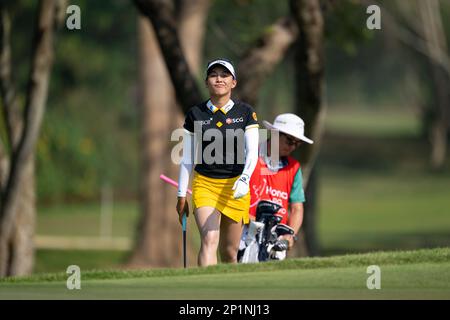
(235, 120)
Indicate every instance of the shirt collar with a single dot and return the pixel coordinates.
(227, 107)
(273, 166)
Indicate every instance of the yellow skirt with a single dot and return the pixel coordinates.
(217, 193)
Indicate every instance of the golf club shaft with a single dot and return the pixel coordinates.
(175, 184)
(184, 239)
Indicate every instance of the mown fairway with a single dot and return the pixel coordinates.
(374, 193)
(420, 274)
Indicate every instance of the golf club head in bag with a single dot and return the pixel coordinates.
(260, 236)
(275, 252)
(283, 229)
(266, 212)
(280, 247)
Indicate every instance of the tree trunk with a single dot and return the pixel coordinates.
(159, 233)
(22, 238)
(309, 65)
(21, 244)
(436, 46)
(192, 21)
(156, 101)
(17, 209)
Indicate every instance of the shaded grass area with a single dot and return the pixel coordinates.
(83, 219)
(59, 260)
(421, 274)
(358, 121)
(374, 155)
(377, 193)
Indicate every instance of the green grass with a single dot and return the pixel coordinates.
(82, 219)
(420, 274)
(360, 211)
(375, 193)
(359, 121)
(56, 260)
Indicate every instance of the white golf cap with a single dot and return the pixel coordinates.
(225, 63)
(290, 124)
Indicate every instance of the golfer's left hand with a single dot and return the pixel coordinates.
(241, 187)
(182, 208)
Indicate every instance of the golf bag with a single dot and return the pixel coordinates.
(260, 240)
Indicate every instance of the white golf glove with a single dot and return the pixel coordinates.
(241, 187)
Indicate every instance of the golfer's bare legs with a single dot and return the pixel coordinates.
(230, 236)
(208, 223)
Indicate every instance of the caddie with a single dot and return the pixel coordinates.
(279, 179)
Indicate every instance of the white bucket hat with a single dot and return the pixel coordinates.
(290, 124)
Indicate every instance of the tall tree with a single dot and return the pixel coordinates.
(17, 206)
(157, 244)
(309, 66)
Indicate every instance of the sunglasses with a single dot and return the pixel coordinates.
(291, 141)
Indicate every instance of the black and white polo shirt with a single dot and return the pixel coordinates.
(209, 124)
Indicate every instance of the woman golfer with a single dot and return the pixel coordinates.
(224, 135)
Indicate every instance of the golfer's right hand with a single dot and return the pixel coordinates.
(182, 207)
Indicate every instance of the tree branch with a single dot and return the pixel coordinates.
(260, 60)
(310, 66)
(162, 16)
(414, 41)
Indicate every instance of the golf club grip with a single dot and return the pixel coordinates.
(184, 248)
(184, 222)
